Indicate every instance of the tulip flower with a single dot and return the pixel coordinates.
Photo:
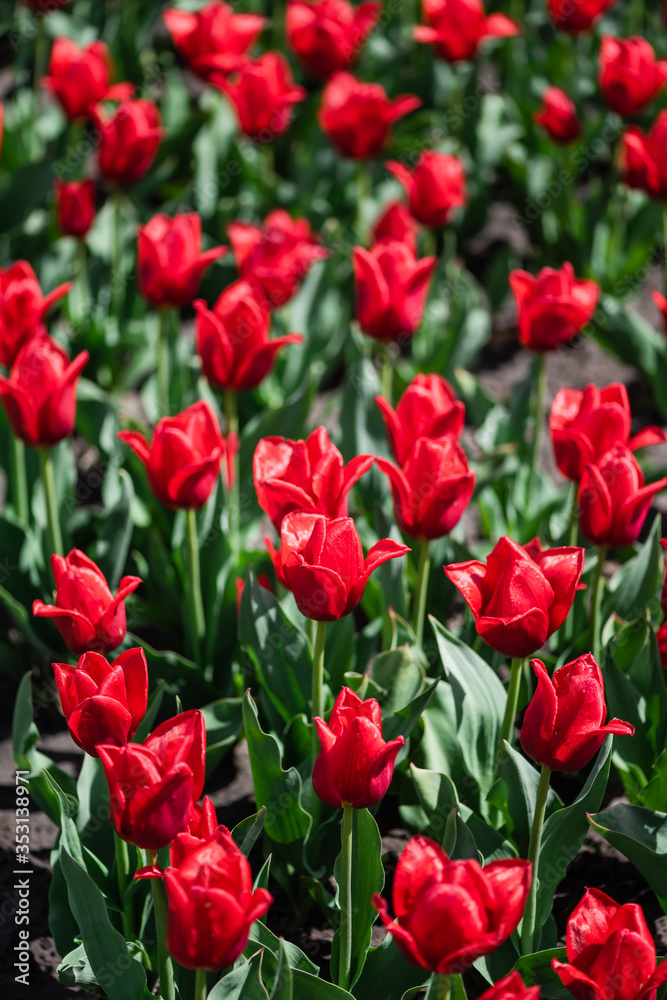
(103, 702)
(586, 423)
(643, 158)
(233, 337)
(427, 409)
(202, 826)
(435, 188)
(610, 952)
(391, 289)
(661, 303)
(129, 140)
(212, 39)
(304, 475)
(79, 78)
(184, 457)
(87, 615)
(552, 307)
(355, 765)
(170, 261)
(396, 224)
(456, 27)
(328, 35)
(75, 206)
(449, 913)
(661, 639)
(154, 785)
(558, 116)
(630, 76)
(575, 17)
(276, 255)
(512, 987)
(263, 93)
(22, 308)
(357, 117)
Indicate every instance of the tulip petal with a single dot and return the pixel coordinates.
(520, 635)
(138, 443)
(380, 553)
(578, 983)
(646, 438)
(159, 812)
(595, 512)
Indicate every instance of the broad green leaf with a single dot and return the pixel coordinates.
(536, 971)
(244, 983)
(437, 797)
(636, 582)
(641, 835)
(110, 552)
(248, 830)
(400, 677)
(307, 987)
(283, 981)
(520, 779)
(388, 974)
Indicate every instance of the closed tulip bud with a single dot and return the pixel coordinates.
(277, 255)
(304, 475)
(22, 308)
(575, 17)
(427, 409)
(435, 188)
(170, 261)
(183, 459)
(357, 117)
(586, 424)
(79, 78)
(613, 500)
(558, 117)
(643, 160)
(512, 987)
(522, 595)
(40, 394)
(552, 307)
(354, 766)
(630, 75)
(457, 27)
(212, 39)
(610, 952)
(233, 337)
(263, 93)
(396, 224)
(563, 727)
(129, 140)
(391, 289)
(328, 35)
(103, 702)
(449, 913)
(321, 561)
(75, 207)
(87, 615)
(154, 785)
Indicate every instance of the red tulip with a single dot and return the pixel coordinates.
(22, 308)
(304, 475)
(610, 952)
(661, 303)
(456, 27)
(75, 206)
(661, 639)
(396, 224)
(566, 15)
(391, 289)
(432, 488)
(263, 93)
(129, 140)
(663, 595)
(449, 913)
(613, 500)
(435, 188)
(170, 261)
(233, 337)
(211, 903)
(79, 78)
(558, 116)
(427, 409)
(553, 307)
(322, 563)
(354, 766)
(358, 116)
(563, 727)
(43, 7)
(630, 75)
(328, 35)
(154, 785)
(183, 459)
(276, 255)
(213, 38)
(643, 158)
(87, 615)
(522, 595)
(40, 394)
(103, 702)
(512, 987)
(586, 424)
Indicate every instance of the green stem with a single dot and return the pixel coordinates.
(19, 480)
(165, 968)
(540, 387)
(364, 189)
(200, 984)
(507, 730)
(596, 602)
(117, 271)
(232, 414)
(421, 589)
(528, 926)
(429, 243)
(573, 528)
(54, 535)
(194, 587)
(318, 680)
(82, 278)
(163, 364)
(346, 897)
(440, 987)
(122, 869)
(386, 375)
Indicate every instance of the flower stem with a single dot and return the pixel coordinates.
(200, 984)
(346, 897)
(573, 528)
(364, 189)
(512, 700)
(528, 926)
(540, 387)
(596, 602)
(386, 375)
(421, 589)
(232, 414)
(163, 364)
(318, 680)
(117, 271)
(440, 987)
(166, 970)
(19, 480)
(122, 868)
(54, 535)
(194, 588)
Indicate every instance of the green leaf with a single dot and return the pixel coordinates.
(437, 797)
(283, 981)
(402, 722)
(244, 983)
(307, 987)
(536, 971)
(261, 935)
(520, 779)
(388, 974)
(224, 721)
(110, 552)
(641, 835)
(248, 830)
(400, 677)
(636, 582)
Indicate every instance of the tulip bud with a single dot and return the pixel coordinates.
(553, 307)
(212, 39)
(391, 289)
(630, 75)
(643, 158)
(263, 93)
(558, 116)
(456, 27)
(169, 259)
(427, 409)
(75, 207)
(575, 17)
(129, 141)
(435, 188)
(328, 35)
(357, 117)
(79, 78)
(22, 308)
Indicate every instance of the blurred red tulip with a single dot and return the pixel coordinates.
(79, 78)
(643, 159)
(456, 27)
(396, 223)
(566, 15)
(358, 116)
(613, 500)
(212, 39)
(435, 188)
(630, 75)
(552, 307)
(129, 140)
(22, 308)
(263, 93)
(170, 261)
(75, 206)
(391, 289)
(427, 409)
(661, 303)
(328, 35)
(512, 987)
(558, 116)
